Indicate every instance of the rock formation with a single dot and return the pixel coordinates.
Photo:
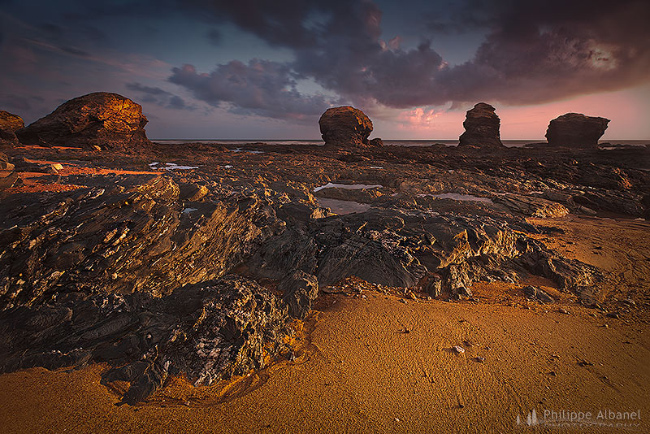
(134, 234)
(299, 291)
(8, 177)
(575, 129)
(9, 124)
(207, 332)
(345, 126)
(107, 120)
(481, 128)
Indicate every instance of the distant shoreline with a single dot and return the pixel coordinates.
(451, 143)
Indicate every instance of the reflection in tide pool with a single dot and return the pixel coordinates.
(461, 197)
(348, 186)
(342, 206)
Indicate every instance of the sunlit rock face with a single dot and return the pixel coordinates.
(107, 120)
(345, 126)
(576, 130)
(9, 124)
(481, 128)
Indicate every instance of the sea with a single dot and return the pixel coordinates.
(450, 143)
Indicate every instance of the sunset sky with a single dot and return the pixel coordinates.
(254, 69)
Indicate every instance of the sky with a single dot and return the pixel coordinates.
(256, 69)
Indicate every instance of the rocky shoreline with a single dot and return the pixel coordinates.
(200, 265)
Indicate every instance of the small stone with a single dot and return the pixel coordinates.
(458, 349)
(564, 311)
(479, 359)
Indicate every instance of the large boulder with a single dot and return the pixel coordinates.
(345, 126)
(9, 124)
(107, 120)
(481, 128)
(576, 129)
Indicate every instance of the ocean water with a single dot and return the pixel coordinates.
(262, 142)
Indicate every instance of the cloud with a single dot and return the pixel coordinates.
(260, 87)
(159, 97)
(533, 52)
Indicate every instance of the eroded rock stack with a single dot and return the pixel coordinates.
(9, 124)
(107, 120)
(481, 128)
(576, 130)
(345, 126)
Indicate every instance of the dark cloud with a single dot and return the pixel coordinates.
(160, 97)
(75, 51)
(533, 52)
(553, 50)
(214, 36)
(176, 102)
(260, 87)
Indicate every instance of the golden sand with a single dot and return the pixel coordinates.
(372, 363)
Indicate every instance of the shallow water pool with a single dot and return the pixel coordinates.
(348, 186)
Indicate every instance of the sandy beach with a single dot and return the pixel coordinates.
(367, 361)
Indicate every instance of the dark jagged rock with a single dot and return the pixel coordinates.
(398, 248)
(532, 206)
(6, 168)
(129, 236)
(535, 293)
(206, 332)
(107, 120)
(8, 177)
(9, 124)
(576, 130)
(481, 128)
(299, 291)
(377, 142)
(345, 126)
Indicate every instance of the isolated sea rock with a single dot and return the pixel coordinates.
(345, 126)
(481, 127)
(107, 120)
(576, 129)
(9, 124)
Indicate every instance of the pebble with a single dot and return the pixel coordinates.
(564, 311)
(479, 359)
(402, 301)
(458, 349)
